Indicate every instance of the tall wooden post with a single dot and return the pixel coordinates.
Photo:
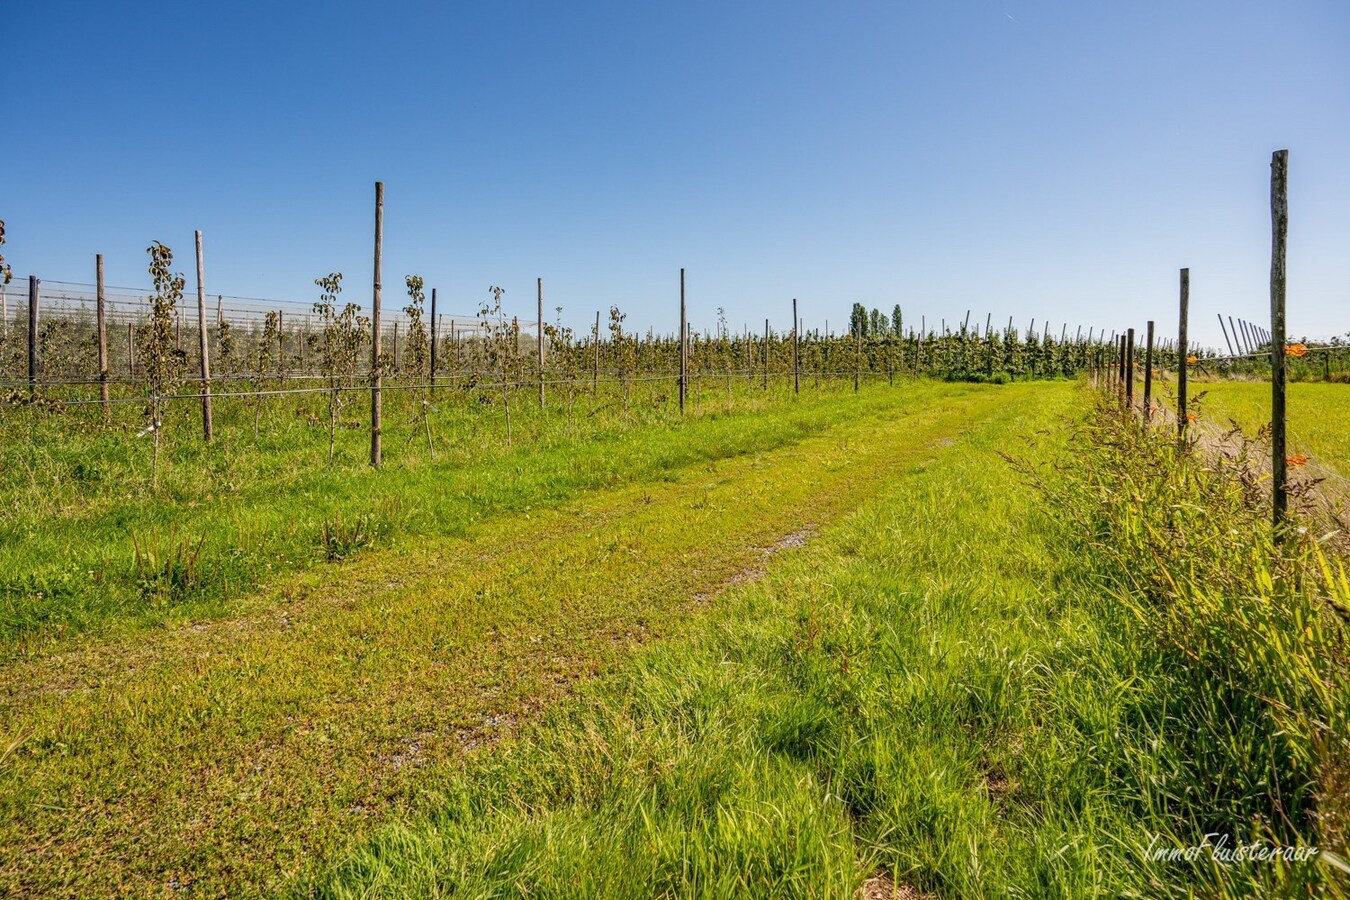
(595, 382)
(1120, 366)
(1129, 368)
(1226, 340)
(281, 345)
(796, 351)
(375, 380)
(766, 354)
(101, 311)
(857, 359)
(435, 331)
(539, 327)
(131, 350)
(684, 345)
(1182, 344)
(1148, 375)
(32, 336)
(1279, 221)
(203, 343)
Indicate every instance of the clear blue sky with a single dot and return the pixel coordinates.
(1059, 160)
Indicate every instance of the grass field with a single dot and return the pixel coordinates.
(781, 648)
(78, 503)
(1318, 416)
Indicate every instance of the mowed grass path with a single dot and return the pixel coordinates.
(230, 755)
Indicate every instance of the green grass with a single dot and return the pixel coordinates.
(1319, 416)
(787, 649)
(231, 754)
(950, 687)
(87, 544)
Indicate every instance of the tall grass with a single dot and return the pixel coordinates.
(1240, 726)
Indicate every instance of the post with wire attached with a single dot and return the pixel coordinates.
(796, 351)
(857, 358)
(435, 334)
(1120, 367)
(1148, 374)
(32, 336)
(765, 354)
(202, 342)
(101, 312)
(539, 327)
(684, 344)
(375, 330)
(1279, 221)
(1129, 369)
(1183, 415)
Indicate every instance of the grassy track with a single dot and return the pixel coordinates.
(906, 695)
(75, 499)
(947, 689)
(228, 754)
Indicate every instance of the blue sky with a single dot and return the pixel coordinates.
(1056, 160)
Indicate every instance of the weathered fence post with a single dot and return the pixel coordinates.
(1279, 220)
(1182, 339)
(375, 330)
(1231, 351)
(32, 335)
(203, 343)
(435, 331)
(131, 350)
(766, 354)
(1120, 367)
(796, 352)
(1148, 375)
(101, 310)
(539, 327)
(1129, 368)
(684, 345)
(857, 358)
(595, 383)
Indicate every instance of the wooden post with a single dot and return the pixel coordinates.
(435, 330)
(131, 350)
(539, 327)
(281, 346)
(684, 345)
(766, 354)
(1120, 365)
(1129, 368)
(1148, 375)
(375, 330)
(32, 335)
(1279, 221)
(1231, 351)
(595, 383)
(1182, 343)
(202, 341)
(102, 324)
(796, 351)
(857, 358)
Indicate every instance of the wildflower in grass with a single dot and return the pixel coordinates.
(1296, 459)
(1296, 350)
(1191, 417)
(1191, 359)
